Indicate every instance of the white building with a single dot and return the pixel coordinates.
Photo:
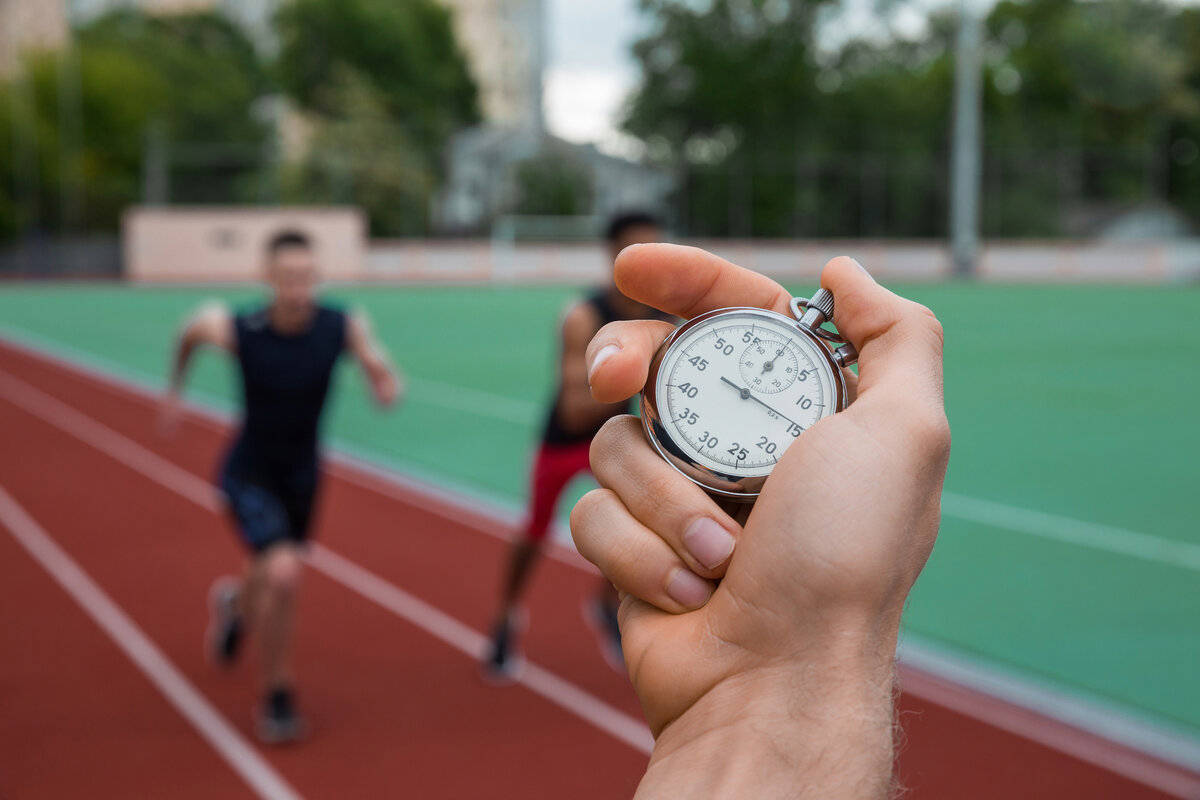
(504, 41)
(254, 16)
(29, 25)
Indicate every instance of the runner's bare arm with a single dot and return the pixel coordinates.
(211, 325)
(577, 410)
(387, 385)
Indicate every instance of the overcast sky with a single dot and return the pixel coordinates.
(590, 70)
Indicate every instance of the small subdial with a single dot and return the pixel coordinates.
(769, 366)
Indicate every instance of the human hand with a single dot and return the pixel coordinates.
(803, 623)
(386, 388)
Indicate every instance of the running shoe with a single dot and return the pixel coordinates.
(602, 618)
(502, 664)
(278, 722)
(225, 628)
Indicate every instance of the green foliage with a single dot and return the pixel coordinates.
(386, 85)
(1086, 103)
(553, 185)
(194, 76)
(360, 154)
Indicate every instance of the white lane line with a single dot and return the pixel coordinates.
(1077, 532)
(1073, 531)
(1108, 739)
(474, 401)
(442, 626)
(141, 650)
(541, 681)
(441, 496)
(490, 518)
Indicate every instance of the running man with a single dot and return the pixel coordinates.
(573, 419)
(286, 352)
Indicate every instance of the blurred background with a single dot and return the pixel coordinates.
(752, 120)
(1029, 170)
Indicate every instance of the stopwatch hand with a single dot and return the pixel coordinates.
(746, 395)
(744, 392)
(773, 411)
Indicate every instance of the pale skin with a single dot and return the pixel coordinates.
(578, 410)
(778, 680)
(267, 596)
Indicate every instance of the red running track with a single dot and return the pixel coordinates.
(395, 710)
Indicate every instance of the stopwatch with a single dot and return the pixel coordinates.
(731, 390)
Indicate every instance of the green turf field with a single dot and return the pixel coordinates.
(1074, 401)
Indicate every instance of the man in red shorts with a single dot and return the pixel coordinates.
(573, 419)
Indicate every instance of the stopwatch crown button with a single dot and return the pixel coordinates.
(822, 301)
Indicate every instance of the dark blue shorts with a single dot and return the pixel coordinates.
(271, 499)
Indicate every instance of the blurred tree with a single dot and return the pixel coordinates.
(399, 66)
(195, 77)
(360, 154)
(553, 184)
(775, 132)
(721, 81)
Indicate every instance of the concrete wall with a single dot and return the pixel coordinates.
(1055, 262)
(227, 244)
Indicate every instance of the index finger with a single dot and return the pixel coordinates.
(687, 281)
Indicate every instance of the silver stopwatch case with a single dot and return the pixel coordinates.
(809, 315)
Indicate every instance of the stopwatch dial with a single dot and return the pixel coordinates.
(735, 390)
(769, 366)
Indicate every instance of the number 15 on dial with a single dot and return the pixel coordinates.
(729, 391)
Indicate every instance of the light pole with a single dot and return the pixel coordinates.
(70, 132)
(965, 171)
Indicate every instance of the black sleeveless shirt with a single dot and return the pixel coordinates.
(554, 432)
(285, 380)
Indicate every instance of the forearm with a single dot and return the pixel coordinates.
(807, 730)
(179, 364)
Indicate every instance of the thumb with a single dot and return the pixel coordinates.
(899, 342)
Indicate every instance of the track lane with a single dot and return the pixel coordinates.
(375, 689)
(997, 777)
(76, 720)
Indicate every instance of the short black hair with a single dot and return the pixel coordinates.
(629, 219)
(286, 239)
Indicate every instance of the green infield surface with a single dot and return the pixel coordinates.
(1070, 545)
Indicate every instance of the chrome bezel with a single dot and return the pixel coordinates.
(731, 487)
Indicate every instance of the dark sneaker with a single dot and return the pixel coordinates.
(502, 663)
(602, 617)
(225, 627)
(278, 722)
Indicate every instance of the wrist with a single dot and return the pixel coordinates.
(818, 724)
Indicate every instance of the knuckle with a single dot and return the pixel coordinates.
(611, 443)
(931, 430)
(924, 320)
(587, 508)
(659, 492)
(604, 444)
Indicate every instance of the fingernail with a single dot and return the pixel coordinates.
(688, 589)
(604, 354)
(861, 268)
(708, 542)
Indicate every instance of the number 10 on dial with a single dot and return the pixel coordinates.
(729, 391)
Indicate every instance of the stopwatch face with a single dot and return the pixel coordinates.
(731, 390)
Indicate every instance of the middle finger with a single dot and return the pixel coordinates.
(662, 499)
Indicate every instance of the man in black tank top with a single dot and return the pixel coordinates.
(571, 422)
(286, 352)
